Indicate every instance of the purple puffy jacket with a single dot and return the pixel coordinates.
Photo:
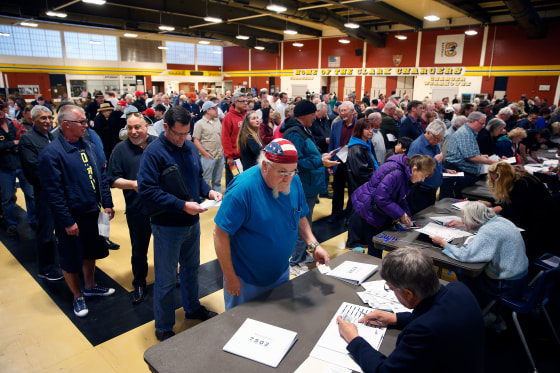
(390, 194)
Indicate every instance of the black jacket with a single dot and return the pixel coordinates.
(30, 145)
(360, 165)
(9, 157)
(321, 130)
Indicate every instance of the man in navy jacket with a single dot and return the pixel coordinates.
(411, 126)
(444, 333)
(175, 226)
(73, 181)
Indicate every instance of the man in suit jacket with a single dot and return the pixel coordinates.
(444, 333)
(411, 126)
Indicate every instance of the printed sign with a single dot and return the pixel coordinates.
(449, 49)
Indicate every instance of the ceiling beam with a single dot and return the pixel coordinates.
(527, 18)
(385, 11)
(469, 8)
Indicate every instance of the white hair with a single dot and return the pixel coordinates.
(476, 214)
(437, 128)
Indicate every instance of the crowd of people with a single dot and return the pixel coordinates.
(379, 160)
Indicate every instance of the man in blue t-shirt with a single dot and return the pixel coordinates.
(258, 223)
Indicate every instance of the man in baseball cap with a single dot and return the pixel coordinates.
(264, 208)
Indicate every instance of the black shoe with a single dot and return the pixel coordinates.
(162, 336)
(201, 314)
(51, 276)
(11, 231)
(111, 245)
(138, 294)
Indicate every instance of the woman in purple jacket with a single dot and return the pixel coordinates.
(382, 199)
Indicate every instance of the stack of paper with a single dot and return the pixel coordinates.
(331, 347)
(264, 343)
(444, 219)
(448, 234)
(484, 167)
(457, 174)
(353, 272)
(377, 297)
(459, 205)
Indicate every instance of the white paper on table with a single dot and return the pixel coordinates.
(313, 365)
(444, 219)
(261, 342)
(484, 167)
(323, 268)
(536, 168)
(448, 234)
(353, 272)
(510, 160)
(331, 347)
(209, 203)
(550, 163)
(552, 150)
(342, 154)
(553, 261)
(458, 174)
(460, 205)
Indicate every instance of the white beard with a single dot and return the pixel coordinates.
(276, 192)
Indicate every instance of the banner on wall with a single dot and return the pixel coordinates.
(449, 49)
(379, 71)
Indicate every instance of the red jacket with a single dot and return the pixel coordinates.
(231, 124)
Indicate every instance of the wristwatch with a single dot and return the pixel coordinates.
(311, 247)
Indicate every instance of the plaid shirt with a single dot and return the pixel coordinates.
(463, 146)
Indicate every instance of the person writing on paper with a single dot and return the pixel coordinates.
(258, 223)
(499, 242)
(175, 226)
(382, 199)
(525, 200)
(444, 333)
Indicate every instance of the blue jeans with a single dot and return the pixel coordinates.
(299, 254)
(172, 246)
(7, 184)
(212, 172)
(249, 291)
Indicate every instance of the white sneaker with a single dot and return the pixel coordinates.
(295, 270)
(303, 267)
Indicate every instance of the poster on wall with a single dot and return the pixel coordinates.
(334, 61)
(28, 89)
(449, 49)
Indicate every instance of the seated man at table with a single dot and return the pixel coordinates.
(258, 223)
(444, 333)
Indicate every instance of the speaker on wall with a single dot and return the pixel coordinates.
(359, 52)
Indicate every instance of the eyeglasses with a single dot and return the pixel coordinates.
(180, 134)
(284, 173)
(81, 122)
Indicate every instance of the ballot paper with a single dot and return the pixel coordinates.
(314, 365)
(342, 154)
(532, 168)
(331, 347)
(261, 342)
(484, 167)
(353, 272)
(459, 205)
(550, 163)
(457, 174)
(378, 298)
(448, 234)
(444, 219)
(209, 203)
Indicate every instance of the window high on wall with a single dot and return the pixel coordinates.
(91, 46)
(209, 55)
(26, 42)
(180, 53)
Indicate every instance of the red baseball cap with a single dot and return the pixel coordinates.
(149, 112)
(139, 93)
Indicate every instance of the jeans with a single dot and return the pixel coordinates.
(299, 254)
(212, 172)
(45, 252)
(173, 245)
(249, 291)
(7, 184)
(140, 232)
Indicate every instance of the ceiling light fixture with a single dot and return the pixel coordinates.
(96, 2)
(471, 32)
(259, 47)
(166, 28)
(217, 52)
(276, 7)
(213, 19)
(7, 34)
(299, 45)
(129, 35)
(52, 13)
(431, 18)
(344, 41)
(349, 24)
(288, 31)
(240, 36)
(160, 47)
(94, 42)
(205, 42)
(29, 24)
(401, 37)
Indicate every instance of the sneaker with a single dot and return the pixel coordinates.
(295, 270)
(80, 307)
(303, 267)
(202, 313)
(98, 290)
(51, 276)
(162, 336)
(11, 231)
(358, 249)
